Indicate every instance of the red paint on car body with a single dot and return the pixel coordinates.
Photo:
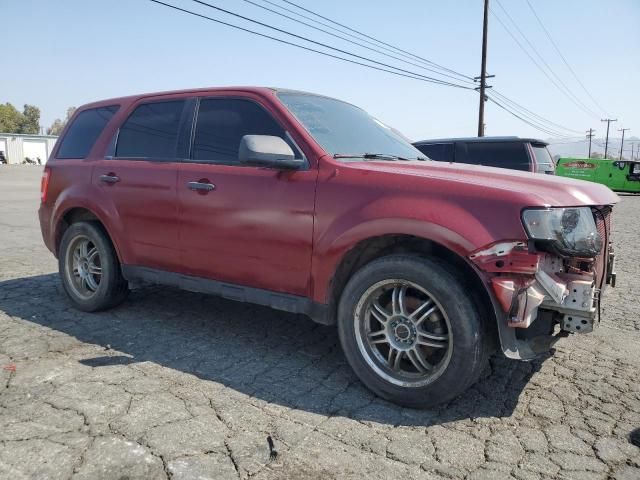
(288, 231)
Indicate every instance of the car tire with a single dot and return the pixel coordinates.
(89, 268)
(437, 332)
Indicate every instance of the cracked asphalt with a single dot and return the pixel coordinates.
(179, 385)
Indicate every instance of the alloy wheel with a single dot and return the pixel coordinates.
(403, 333)
(84, 267)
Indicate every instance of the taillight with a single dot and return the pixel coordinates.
(44, 184)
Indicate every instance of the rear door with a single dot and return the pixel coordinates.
(139, 178)
(254, 226)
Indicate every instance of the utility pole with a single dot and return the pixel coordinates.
(483, 69)
(590, 135)
(622, 142)
(606, 142)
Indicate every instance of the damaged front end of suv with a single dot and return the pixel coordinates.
(551, 284)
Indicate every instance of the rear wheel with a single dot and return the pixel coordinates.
(89, 268)
(410, 331)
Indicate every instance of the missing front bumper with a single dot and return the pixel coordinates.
(540, 297)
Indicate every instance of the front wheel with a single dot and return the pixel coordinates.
(410, 330)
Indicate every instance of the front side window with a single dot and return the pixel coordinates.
(544, 162)
(344, 129)
(151, 131)
(511, 155)
(84, 131)
(221, 124)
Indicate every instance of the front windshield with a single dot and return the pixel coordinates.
(343, 129)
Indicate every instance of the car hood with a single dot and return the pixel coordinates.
(533, 189)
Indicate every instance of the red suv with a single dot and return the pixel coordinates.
(308, 204)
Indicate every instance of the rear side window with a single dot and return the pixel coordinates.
(511, 155)
(544, 162)
(221, 124)
(84, 131)
(151, 131)
(442, 152)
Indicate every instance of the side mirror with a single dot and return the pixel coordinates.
(268, 151)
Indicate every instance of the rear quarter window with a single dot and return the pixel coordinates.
(84, 131)
(544, 162)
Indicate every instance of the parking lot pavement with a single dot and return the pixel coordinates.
(180, 385)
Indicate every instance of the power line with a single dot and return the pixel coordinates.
(372, 38)
(564, 91)
(526, 112)
(300, 37)
(529, 122)
(540, 123)
(566, 143)
(379, 45)
(555, 46)
(577, 101)
(286, 42)
(381, 52)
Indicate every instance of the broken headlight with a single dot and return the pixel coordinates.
(566, 231)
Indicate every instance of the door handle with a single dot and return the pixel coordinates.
(201, 186)
(109, 178)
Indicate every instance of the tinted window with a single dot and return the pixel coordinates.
(84, 131)
(442, 152)
(151, 131)
(496, 154)
(341, 128)
(222, 122)
(544, 162)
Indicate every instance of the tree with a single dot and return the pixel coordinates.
(10, 118)
(30, 120)
(12, 121)
(58, 125)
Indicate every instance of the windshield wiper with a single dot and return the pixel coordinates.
(375, 156)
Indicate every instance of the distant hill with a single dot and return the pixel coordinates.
(580, 148)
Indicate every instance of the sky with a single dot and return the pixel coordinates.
(70, 52)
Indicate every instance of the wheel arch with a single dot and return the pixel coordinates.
(372, 248)
(81, 214)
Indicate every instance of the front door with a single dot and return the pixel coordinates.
(140, 181)
(240, 224)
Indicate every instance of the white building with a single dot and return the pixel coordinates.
(17, 147)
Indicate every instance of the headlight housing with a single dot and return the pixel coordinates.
(567, 231)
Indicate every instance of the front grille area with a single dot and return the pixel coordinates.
(602, 217)
(597, 266)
